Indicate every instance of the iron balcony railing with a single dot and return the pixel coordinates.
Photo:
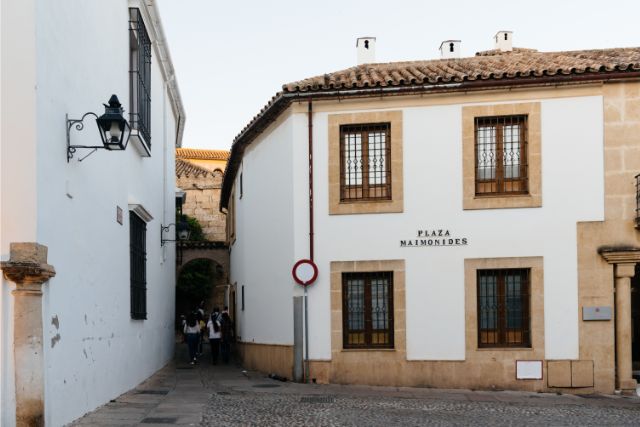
(638, 201)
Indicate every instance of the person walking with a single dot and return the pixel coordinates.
(192, 332)
(215, 333)
(226, 335)
(200, 319)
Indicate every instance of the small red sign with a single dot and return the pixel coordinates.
(305, 272)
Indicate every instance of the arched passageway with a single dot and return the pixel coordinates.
(202, 274)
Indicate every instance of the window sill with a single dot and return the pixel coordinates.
(366, 207)
(503, 201)
(505, 349)
(140, 144)
(499, 196)
(356, 350)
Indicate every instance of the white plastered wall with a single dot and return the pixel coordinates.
(93, 350)
(262, 254)
(571, 130)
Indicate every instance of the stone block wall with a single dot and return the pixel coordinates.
(202, 202)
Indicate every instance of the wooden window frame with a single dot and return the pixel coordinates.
(365, 191)
(500, 184)
(368, 330)
(500, 333)
(533, 198)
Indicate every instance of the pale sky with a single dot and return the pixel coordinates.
(231, 57)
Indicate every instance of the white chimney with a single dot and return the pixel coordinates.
(450, 49)
(366, 47)
(504, 41)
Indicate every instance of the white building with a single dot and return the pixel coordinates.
(469, 217)
(105, 319)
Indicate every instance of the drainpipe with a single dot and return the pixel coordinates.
(310, 119)
(307, 370)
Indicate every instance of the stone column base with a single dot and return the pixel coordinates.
(28, 269)
(628, 387)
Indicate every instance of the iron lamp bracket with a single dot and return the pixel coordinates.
(78, 124)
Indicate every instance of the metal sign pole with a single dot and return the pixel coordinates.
(306, 339)
(305, 273)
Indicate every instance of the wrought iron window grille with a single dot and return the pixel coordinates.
(365, 162)
(504, 305)
(140, 76)
(138, 261)
(501, 162)
(367, 310)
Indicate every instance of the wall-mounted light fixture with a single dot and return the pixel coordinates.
(182, 231)
(114, 129)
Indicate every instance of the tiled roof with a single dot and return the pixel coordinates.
(489, 65)
(486, 70)
(186, 168)
(200, 154)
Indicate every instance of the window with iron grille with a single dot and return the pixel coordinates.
(501, 155)
(504, 307)
(365, 162)
(138, 261)
(139, 76)
(367, 310)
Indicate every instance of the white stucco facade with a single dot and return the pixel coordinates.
(68, 58)
(272, 230)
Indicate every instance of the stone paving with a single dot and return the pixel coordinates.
(207, 395)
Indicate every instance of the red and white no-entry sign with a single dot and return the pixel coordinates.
(305, 272)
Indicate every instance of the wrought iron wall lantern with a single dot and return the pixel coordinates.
(182, 232)
(114, 129)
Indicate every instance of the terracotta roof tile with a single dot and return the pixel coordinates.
(201, 154)
(486, 65)
(186, 168)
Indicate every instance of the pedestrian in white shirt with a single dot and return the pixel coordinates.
(215, 333)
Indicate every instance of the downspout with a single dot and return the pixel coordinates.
(178, 143)
(307, 370)
(310, 126)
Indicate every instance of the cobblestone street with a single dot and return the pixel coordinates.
(340, 406)
(226, 395)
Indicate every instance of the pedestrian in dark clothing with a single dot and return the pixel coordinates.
(200, 318)
(192, 332)
(226, 329)
(215, 333)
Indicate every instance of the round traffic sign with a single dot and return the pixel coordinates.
(304, 272)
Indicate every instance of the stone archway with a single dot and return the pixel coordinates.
(214, 251)
(218, 254)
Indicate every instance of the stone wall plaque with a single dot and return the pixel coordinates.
(596, 313)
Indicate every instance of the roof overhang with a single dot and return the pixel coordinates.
(283, 100)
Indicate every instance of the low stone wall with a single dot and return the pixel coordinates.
(267, 358)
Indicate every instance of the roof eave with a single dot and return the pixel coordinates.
(284, 99)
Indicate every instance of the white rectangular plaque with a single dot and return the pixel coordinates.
(597, 313)
(529, 369)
